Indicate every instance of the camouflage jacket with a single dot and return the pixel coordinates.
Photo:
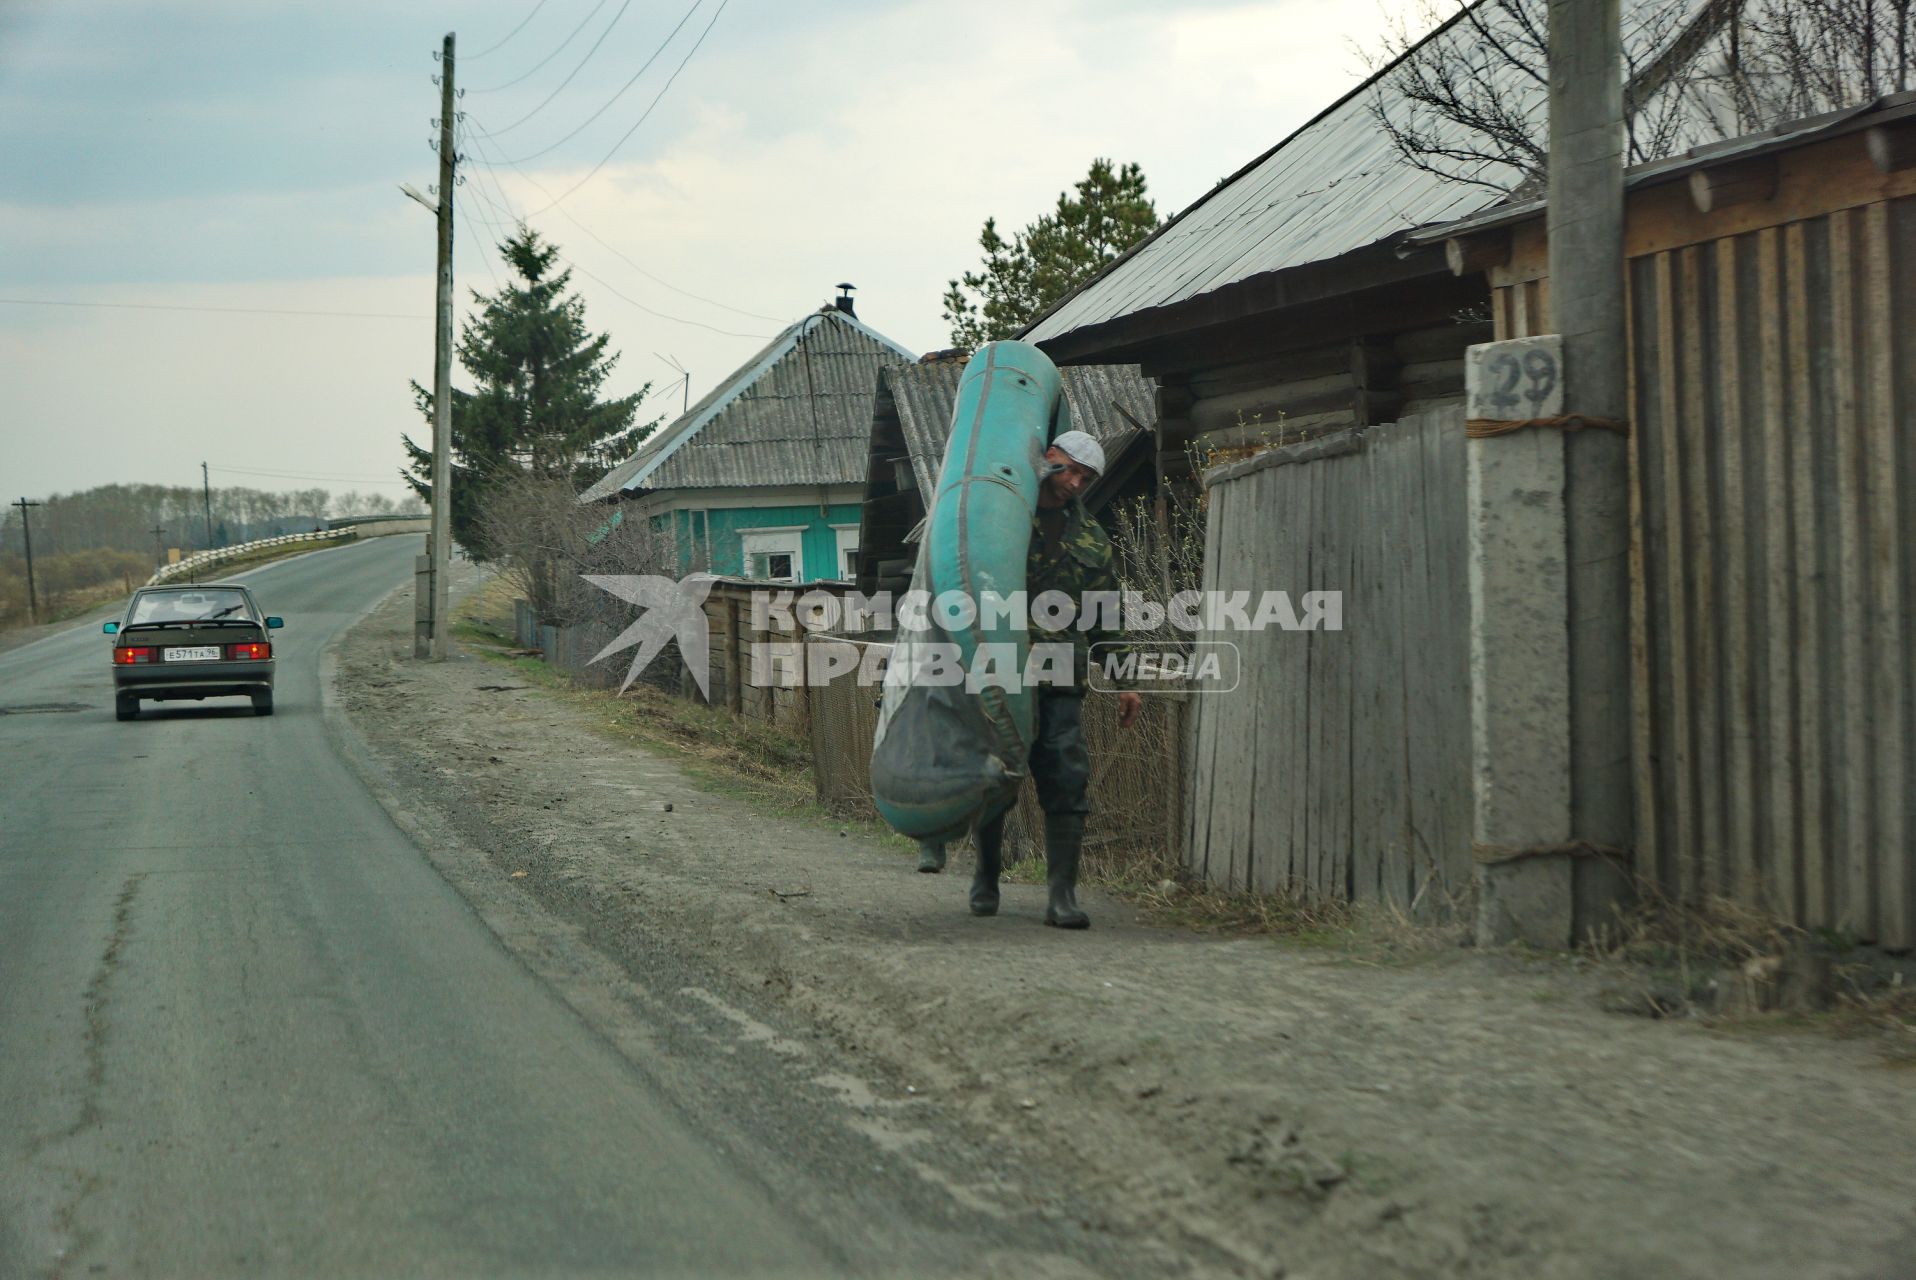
(1080, 561)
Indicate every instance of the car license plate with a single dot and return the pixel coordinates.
(196, 653)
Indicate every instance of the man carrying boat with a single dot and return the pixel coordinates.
(1069, 553)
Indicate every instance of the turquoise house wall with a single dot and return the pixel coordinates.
(818, 546)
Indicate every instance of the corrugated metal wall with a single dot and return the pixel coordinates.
(1340, 766)
(1774, 458)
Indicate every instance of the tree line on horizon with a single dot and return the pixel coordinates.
(122, 517)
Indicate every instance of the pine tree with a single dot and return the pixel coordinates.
(1026, 276)
(535, 407)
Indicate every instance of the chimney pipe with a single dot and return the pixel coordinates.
(844, 300)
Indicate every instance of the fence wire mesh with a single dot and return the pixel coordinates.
(1136, 799)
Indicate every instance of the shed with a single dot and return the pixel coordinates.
(1772, 669)
(1293, 298)
(763, 477)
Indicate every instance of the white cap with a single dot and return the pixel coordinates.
(1081, 449)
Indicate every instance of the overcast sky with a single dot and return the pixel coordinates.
(234, 157)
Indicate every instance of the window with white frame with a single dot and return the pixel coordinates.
(774, 555)
(847, 551)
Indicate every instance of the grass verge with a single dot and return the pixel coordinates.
(750, 760)
(771, 768)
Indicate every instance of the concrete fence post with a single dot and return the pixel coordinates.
(1519, 648)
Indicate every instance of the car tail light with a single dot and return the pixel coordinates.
(255, 651)
(126, 657)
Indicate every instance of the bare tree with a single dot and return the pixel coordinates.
(545, 539)
(1468, 103)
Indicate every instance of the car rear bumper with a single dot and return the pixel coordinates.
(194, 680)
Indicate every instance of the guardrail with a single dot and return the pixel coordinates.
(218, 555)
(347, 522)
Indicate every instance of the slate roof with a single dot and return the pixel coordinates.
(911, 422)
(797, 413)
(921, 396)
(1334, 187)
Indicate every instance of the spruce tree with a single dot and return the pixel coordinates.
(534, 409)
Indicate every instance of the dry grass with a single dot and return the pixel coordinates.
(1206, 909)
(1747, 970)
(1714, 934)
(739, 756)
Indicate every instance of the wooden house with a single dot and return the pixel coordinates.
(763, 477)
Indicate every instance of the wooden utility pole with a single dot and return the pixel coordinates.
(206, 500)
(26, 533)
(1587, 299)
(159, 543)
(441, 549)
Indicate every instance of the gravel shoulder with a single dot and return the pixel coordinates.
(1138, 1098)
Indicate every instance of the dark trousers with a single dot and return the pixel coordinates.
(1060, 764)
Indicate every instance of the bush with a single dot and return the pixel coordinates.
(69, 581)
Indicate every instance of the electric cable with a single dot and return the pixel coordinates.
(646, 66)
(648, 111)
(515, 31)
(485, 254)
(576, 70)
(603, 243)
(238, 311)
(278, 474)
(522, 218)
(550, 56)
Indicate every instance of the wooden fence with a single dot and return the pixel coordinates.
(1773, 371)
(1137, 804)
(1774, 463)
(1339, 767)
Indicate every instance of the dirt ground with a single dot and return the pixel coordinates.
(1216, 1105)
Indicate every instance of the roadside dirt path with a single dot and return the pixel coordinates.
(1206, 1105)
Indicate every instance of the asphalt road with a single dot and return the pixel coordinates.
(245, 1029)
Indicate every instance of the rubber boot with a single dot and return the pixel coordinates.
(1063, 842)
(990, 839)
(931, 857)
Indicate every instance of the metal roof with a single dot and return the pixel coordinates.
(799, 412)
(923, 395)
(1335, 186)
(1781, 137)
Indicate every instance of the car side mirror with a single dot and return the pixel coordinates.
(111, 628)
(275, 624)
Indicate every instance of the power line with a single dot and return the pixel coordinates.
(617, 293)
(515, 31)
(647, 66)
(582, 61)
(299, 475)
(648, 111)
(508, 212)
(236, 311)
(550, 56)
(567, 213)
(485, 253)
(729, 333)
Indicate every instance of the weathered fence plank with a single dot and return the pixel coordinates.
(1359, 739)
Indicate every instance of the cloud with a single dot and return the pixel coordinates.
(246, 154)
(103, 396)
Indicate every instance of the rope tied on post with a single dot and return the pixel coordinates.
(1497, 854)
(1485, 428)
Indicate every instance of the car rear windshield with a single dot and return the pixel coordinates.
(210, 605)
